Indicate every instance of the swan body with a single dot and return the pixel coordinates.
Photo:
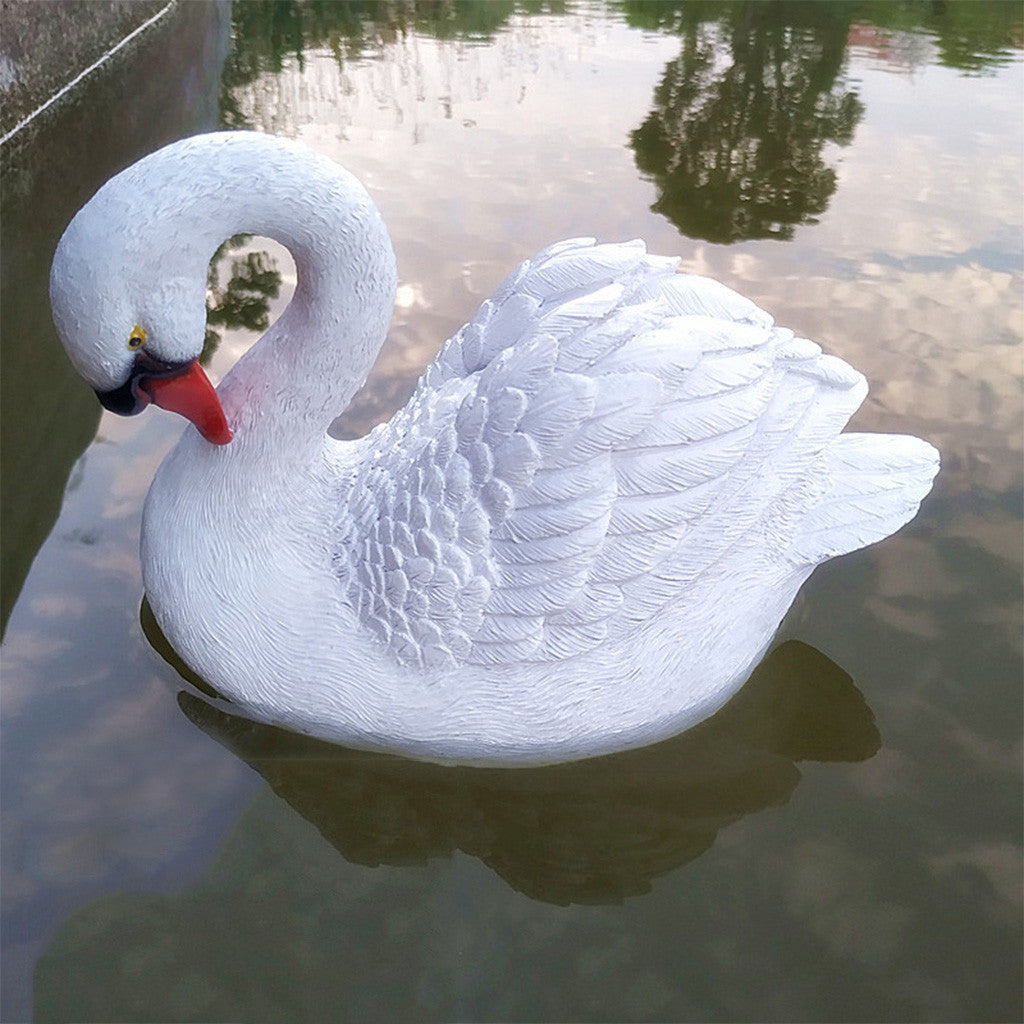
(579, 535)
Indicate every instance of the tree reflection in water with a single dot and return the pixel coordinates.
(244, 301)
(743, 114)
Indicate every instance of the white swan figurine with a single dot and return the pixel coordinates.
(579, 535)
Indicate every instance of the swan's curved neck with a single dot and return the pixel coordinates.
(286, 390)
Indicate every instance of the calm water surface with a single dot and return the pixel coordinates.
(843, 841)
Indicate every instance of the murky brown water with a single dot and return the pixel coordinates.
(843, 842)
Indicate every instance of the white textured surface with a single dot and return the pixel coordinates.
(580, 533)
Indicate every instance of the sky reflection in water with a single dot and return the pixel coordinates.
(886, 889)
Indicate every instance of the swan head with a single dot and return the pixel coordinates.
(130, 310)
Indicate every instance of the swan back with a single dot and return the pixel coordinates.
(601, 434)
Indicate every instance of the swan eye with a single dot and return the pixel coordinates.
(137, 338)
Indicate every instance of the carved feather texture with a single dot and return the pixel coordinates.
(601, 433)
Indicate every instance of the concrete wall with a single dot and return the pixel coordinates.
(44, 44)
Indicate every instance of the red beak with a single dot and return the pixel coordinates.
(190, 394)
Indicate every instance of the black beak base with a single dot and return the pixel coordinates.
(126, 400)
(129, 399)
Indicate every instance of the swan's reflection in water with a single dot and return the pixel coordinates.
(592, 831)
(282, 929)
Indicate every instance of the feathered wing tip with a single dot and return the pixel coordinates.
(877, 484)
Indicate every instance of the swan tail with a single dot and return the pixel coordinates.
(877, 484)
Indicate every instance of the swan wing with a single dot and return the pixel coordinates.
(601, 433)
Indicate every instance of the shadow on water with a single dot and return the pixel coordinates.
(592, 831)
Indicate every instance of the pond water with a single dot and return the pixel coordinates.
(843, 841)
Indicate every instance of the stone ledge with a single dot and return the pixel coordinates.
(44, 45)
